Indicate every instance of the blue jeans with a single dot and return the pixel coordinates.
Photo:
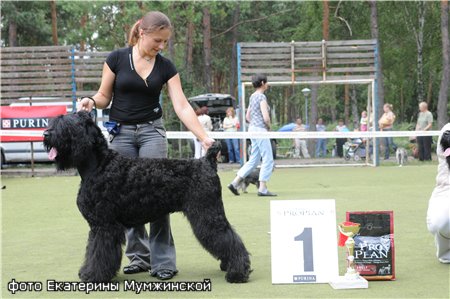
(388, 142)
(261, 149)
(158, 252)
(321, 148)
(233, 150)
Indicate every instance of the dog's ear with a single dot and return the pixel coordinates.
(445, 144)
(445, 140)
(85, 116)
(93, 133)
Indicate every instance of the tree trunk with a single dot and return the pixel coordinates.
(12, 34)
(171, 46)
(418, 35)
(333, 111)
(189, 49)
(430, 90)
(218, 80)
(207, 48)
(355, 114)
(234, 39)
(285, 117)
(171, 41)
(346, 104)
(54, 22)
(442, 110)
(375, 35)
(83, 21)
(420, 84)
(402, 105)
(125, 27)
(293, 105)
(325, 20)
(313, 118)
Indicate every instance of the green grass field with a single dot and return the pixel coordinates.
(44, 235)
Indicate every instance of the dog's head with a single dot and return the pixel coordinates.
(445, 144)
(213, 152)
(72, 139)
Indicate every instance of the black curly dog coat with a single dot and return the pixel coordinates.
(118, 192)
(445, 143)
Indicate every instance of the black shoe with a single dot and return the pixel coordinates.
(164, 274)
(266, 194)
(133, 269)
(233, 189)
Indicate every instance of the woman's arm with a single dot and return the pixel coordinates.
(265, 112)
(227, 124)
(104, 94)
(430, 124)
(185, 111)
(247, 115)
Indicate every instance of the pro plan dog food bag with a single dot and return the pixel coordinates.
(374, 244)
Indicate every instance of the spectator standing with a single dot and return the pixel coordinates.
(424, 123)
(321, 143)
(259, 117)
(231, 124)
(205, 121)
(300, 143)
(386, 123)
(341, 127)
(363, 121)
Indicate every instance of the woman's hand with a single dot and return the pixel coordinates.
(207, 143)
(85, 104)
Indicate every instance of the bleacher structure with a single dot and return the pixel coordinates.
(311, 63)
(50, 74)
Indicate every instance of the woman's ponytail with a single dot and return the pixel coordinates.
(134, 33)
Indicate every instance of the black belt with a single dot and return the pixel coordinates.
(124, 123)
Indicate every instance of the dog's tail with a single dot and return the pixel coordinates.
(213, 151)
(445, 143)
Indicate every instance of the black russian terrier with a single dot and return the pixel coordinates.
(117, 192)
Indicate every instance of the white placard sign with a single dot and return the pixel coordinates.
(304, 242)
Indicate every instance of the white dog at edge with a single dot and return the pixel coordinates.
(438, 215)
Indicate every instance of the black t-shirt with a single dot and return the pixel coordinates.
(133, 101)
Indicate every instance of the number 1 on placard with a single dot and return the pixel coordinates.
(308, 256)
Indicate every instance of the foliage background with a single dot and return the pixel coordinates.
(102, 26)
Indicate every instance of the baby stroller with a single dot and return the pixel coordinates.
(354, 148)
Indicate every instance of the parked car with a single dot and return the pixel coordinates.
(217, 104)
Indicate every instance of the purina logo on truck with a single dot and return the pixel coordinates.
(24, 118)
(25, 123)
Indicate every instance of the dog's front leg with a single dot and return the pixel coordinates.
(103, 253)
(83, 274)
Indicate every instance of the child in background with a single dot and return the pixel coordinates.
(363, 122)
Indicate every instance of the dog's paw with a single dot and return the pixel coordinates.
(223, 265)
(85, 276)
(236, 277)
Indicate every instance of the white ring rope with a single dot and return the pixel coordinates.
(259, 135)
